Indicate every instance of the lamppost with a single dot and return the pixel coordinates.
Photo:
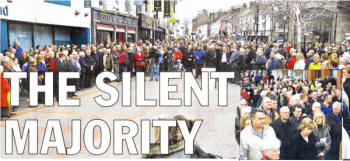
(284, 28)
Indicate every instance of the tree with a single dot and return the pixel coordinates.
(302, 13)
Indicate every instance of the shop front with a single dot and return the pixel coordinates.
(31, 30)
(147, 26)
(107, 27)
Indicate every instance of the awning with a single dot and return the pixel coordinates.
(104, 27)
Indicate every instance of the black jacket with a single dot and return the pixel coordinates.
(284, 132)
(336, 135)
(90, 61)
(188, 59)
(219, 56)
(210, 58)
(302, 150)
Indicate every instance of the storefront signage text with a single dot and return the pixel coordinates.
(116, 19)
(148, 22)
(4, 11)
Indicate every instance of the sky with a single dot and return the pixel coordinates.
(188, 9)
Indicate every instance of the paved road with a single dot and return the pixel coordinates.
(216, 134)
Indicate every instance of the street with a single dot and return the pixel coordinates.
(216, 134)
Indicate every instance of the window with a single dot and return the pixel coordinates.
(61, 2)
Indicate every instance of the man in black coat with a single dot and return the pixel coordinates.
(187, 59)
(70, 66)
(210, 57)
(284, 130)
(90, 62)
(59, 64)
(334, 120)
(297, 115)
(250, 58)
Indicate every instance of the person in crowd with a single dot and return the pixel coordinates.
(223, 60)
(304, 142)
(5, 89)
(210, 57)
(271, 149)
(321, 131)
(158, 58)
(253, 136)
(296, 117)
(177, 55)
(188, 59)
(139, 60)
(334, 122)
(315, 65)
(70, 66)
(326, 106)
(285, 130)
(198, 56)
(90, 62)
(275, 61)
(18, 50)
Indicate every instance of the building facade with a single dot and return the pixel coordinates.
(107, 27)
(44, 22)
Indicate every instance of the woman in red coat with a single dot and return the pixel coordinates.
(5, 88)
(139, 60)
(292, 61)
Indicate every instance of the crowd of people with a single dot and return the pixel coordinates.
(287, 118)
(92, 59)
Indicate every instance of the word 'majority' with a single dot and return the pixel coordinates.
(29, 136)
(190, 85)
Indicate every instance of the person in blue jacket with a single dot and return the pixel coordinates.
(274, 62)
(198, 57)
(19, 50)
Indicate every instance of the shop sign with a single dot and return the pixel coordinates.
(4, 10)
(109, 18)
(148, 22)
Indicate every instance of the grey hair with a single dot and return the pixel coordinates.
(336, 104)
(271, 143)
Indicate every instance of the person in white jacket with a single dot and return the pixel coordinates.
(299, 66)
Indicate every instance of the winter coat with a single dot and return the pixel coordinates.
(325, 134)
(83, 65)
(200, 55)
(314, 66)
(284, 132)
(274, 64)
(302, 150)
(300, 64)
(188, 58)
(122, 56)
(41, 68)
(260, 62)
(138, 59)
(250, 142)
(5, 89)
(90, 61)
(291, 63)
(335, 133)
(210, 58)
(177, 55)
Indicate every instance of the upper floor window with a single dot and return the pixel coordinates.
(61, 2)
